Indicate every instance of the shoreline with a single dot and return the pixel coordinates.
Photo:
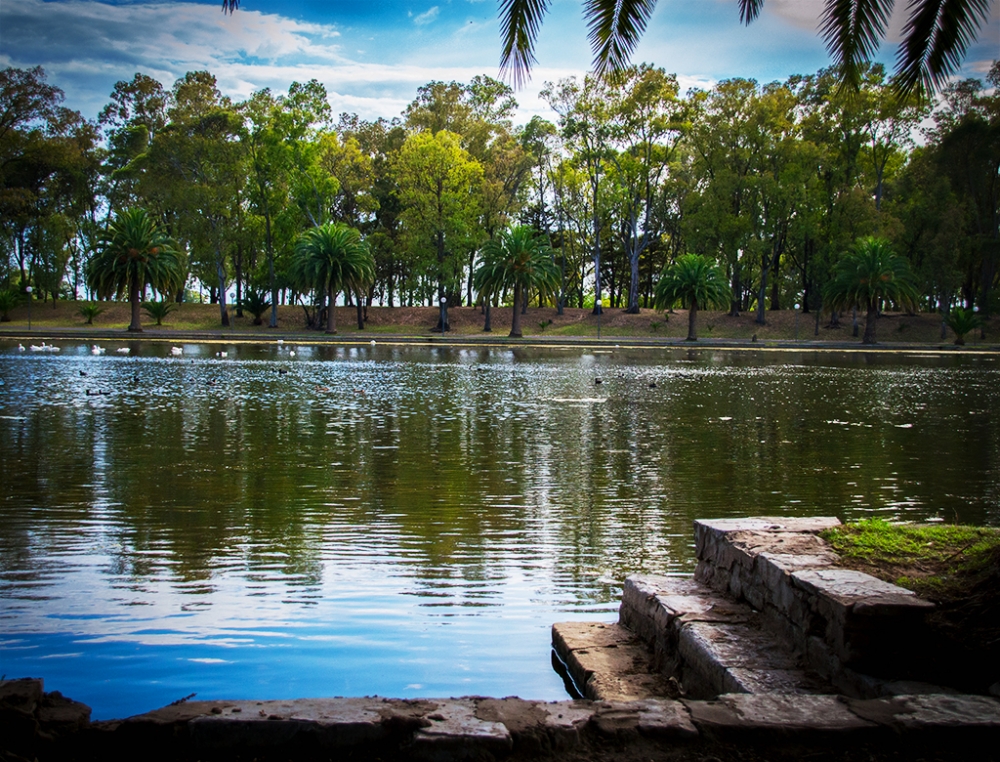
(233, 336)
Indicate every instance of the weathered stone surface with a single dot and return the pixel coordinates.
(663, 719)
(847, 588)
(58, 715)
(539, 726)
(931, 712)
(455, 732)
(23, 694)
(574, 635)
(323, 722)
(607, 662)
(747, 715)
(710, 535)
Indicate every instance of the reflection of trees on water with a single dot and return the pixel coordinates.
(463, 469)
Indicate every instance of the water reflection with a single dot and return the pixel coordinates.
(410, 521)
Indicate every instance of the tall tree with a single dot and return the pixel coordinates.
(585, 124)
(695, 282)
(331, 258)
(516, 260)
(134, 253)
(438, 187)
(868, 276)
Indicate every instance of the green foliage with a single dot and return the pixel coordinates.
(963, 321)
(133, 254)
(256, 303)
(695, 282)
(9, 299)
(90, 310)
(159, 310)
(520, 261)
(331, 258)
(868, 276)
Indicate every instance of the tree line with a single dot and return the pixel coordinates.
(773, 185)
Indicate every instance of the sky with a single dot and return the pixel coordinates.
(372, 55)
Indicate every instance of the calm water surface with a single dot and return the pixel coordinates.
(410, 521)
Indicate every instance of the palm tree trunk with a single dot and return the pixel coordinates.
(692, 317)
(515, 323)
(870, 319)
(331, 311)
(136, 325)
(488, 324)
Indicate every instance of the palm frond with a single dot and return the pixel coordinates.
(935, 39)
(852, 30)
(615, 28)
(520, 21)
(750, 10)
(228, 6)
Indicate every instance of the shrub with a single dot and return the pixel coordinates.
(159, 310)
(90, 311)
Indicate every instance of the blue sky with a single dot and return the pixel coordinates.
(372, 56)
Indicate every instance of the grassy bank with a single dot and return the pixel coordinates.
(783, 325)
(956, 567)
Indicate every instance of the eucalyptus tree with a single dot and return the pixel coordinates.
(333, 258)
(518, 260)
(49, 161)
(727, 144)
(131, 120)
(648, 121)
(380, 141)
(585, 125)
(288, 187)
(966, 146)
(694, 281)
(868, 276)
(438, 185)
(890, 119)
(134, 253)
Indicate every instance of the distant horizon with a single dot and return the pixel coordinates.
(373, 57)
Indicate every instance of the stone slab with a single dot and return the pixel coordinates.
(607, 662)
(23, 694)
(326, 722)
(849, 588)
(455, 732)
(802, 718)
(574, 635)
(931, 712)
(655, 718)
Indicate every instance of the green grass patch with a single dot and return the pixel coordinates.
(937, 561)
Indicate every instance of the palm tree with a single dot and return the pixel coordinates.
(333, 257)
(695, 282)
(869, 275)
(134, 253)
(963, 321)
(935, 39)
(517, 259)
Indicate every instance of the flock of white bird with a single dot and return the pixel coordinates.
(174, 351)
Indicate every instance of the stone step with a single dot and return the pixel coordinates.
(608, 663)
(710, 643)
(840, 618)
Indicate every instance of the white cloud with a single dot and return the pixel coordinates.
(427, 16)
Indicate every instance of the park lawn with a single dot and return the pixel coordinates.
(575, 322)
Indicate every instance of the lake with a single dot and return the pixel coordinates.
(305, 521)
